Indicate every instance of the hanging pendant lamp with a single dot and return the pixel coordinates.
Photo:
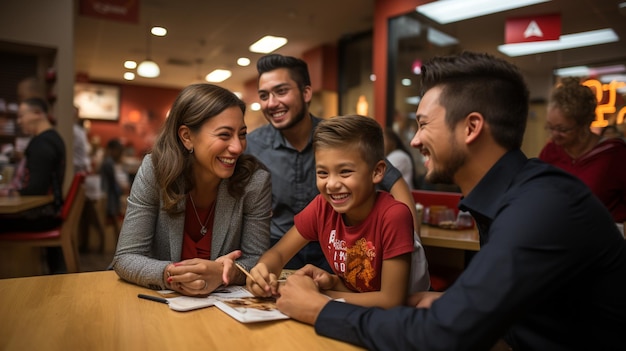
(148, 68)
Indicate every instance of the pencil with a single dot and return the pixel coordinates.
(245, 272)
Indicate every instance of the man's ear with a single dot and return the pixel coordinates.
(185, 136)
(379, 172)
(307, 94)
(474, 126)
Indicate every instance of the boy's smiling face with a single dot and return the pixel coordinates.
(347, 182)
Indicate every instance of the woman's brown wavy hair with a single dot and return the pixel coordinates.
(196, 104)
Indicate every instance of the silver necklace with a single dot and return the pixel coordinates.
(203, 230)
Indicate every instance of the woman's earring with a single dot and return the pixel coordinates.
(191, 150)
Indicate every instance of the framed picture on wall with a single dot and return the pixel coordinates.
(97, 101)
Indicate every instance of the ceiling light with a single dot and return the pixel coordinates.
(406, 82)
(569, 41)
(267, 44)
(243, 61)
(130, 64)
(584, 71)
(448, 11)
(440, 38)
(413, 100)
(148, 69)
(129, 76)
(218, 76)
(576, 71)
(255, 106)
(158, 31)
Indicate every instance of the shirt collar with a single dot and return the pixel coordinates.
(488, 194)
(278, 141)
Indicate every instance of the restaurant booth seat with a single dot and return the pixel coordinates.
(441, 276)
(65, 235)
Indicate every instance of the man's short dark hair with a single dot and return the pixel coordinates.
(37, 103)
(298, 69)
(478, 82)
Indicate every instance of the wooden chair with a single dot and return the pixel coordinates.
(65, 235)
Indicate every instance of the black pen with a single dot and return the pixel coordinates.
(153, 298)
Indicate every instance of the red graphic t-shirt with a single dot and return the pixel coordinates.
(356, 253)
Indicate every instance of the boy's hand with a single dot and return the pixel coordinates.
(265, 284)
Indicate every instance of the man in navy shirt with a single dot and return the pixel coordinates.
(551, 272)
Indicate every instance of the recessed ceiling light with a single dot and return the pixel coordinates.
(255, 106)
(406, 82)
(218, 75)
(267, 44)
(130, 64)
(243, 61)
(129, 75)
(448, 11)
(568, 41)
(584, 71)
(158, 31)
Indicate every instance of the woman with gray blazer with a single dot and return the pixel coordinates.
(197, 204)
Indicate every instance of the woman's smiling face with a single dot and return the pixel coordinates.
(219, 142)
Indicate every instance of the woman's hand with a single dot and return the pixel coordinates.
(229, 272)
(265, 284)
(194, 277)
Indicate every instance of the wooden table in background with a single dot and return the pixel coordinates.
(98, 311)
(15, 204)
(466, 239)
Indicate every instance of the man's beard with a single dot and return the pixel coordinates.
(297, 118)
(445, 175)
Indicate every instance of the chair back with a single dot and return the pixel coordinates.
(79, 178)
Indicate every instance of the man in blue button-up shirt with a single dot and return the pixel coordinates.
(285, 147)
(551, 272)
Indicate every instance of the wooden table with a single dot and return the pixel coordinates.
(466, 239)
(98, 311)
(14, 204)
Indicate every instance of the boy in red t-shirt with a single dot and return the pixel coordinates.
(365, 234)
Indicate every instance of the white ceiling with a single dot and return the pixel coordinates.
(214, 33)
(208, 34)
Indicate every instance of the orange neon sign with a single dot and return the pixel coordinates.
(609, 106)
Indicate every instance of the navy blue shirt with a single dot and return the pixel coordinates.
(550, 275)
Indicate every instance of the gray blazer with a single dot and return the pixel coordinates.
(150, 238)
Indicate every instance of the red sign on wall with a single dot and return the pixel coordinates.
(116, 10)
(532, 28)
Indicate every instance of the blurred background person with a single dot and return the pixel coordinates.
(399, 156)
(115, 182)
(82, 162)
(598, 162)
(40, 172)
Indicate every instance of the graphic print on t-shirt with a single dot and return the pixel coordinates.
(355, 262)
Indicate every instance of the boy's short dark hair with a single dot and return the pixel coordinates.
(352, 130)
(298, 69)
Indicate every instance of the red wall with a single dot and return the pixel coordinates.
(142, 113)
